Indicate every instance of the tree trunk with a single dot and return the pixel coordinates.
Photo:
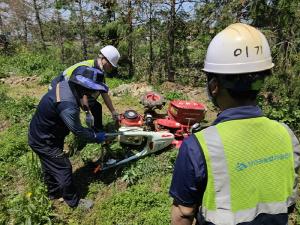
(130, 41)
(25, 31)
(60, 36)
(1, 25)
(110, 12)
(38, 19)
(82, 31)
(171, 40)
(150, 44)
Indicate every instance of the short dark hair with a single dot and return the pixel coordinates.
(241, 87)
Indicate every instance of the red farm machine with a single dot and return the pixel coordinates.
(151, 131)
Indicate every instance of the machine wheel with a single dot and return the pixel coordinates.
(153, 100)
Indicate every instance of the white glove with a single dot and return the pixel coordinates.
(115, 115)
(89, 119)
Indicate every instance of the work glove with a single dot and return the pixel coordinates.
(89, 120)
(100, 137)
(115, 115)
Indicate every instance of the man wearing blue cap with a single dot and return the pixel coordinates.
(57, 114)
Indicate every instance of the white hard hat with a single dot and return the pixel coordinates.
(111, 54)
(238, 49)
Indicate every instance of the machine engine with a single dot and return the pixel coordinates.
(181, 116)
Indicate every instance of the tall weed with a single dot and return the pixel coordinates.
(13, 143)
(145, 203)
(148, 167)
(15, 111)
(28, 63)
(31, 205)
(283, 99)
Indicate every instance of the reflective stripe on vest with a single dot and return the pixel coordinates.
(68, 72)
(250, 169)
(57, 92)
(64, 93)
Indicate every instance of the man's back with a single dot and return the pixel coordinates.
(189, 182)
(47, 127)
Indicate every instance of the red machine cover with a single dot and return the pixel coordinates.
(186, 112)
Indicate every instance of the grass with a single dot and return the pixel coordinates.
(136, 193)
(23, 194)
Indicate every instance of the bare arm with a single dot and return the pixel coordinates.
(108, 102)
(182, 215)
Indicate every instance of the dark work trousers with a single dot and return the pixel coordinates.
(57, 172)
(96, 110)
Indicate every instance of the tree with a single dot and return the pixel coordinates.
(174, 7)
(39, 22)
(146, 16)
(60, 28)
(21, 13)
(82, 30)
(171, 41)
(130, 39)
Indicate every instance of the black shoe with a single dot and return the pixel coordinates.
(54, 196)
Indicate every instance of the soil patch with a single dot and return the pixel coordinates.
(133, 89)
(17, 80)
(4, 125)
(137, 90)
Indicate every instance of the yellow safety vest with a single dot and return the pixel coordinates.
(68, 72)
(250, 168)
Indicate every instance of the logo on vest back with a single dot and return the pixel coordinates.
(240, 166)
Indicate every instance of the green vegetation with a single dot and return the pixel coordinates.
(173, 95)
(23, 196)
(282, 102)
(29, 63)
(137, 192)
(157, 44)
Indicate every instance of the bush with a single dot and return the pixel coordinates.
(27, 203)
(32, 207)
(13, 143)
(145, 203)
(283, 99)
(115, 82)
(172, 95)
(29, 63)
(16, 111)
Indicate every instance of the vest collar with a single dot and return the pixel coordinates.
(242, 112)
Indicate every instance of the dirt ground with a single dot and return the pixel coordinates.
(29, 86)
(137, 90)
(24, 86)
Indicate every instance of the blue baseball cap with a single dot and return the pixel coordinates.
(90, 78)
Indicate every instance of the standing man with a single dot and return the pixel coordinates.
(57, 114)
(106, 62)
(242, 169)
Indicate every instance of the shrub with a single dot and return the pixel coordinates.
(29, 63)
(145, 203)
(283, 99)
(17, 111)
(13, 143)
(172, 95)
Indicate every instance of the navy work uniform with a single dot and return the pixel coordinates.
(58, 114)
